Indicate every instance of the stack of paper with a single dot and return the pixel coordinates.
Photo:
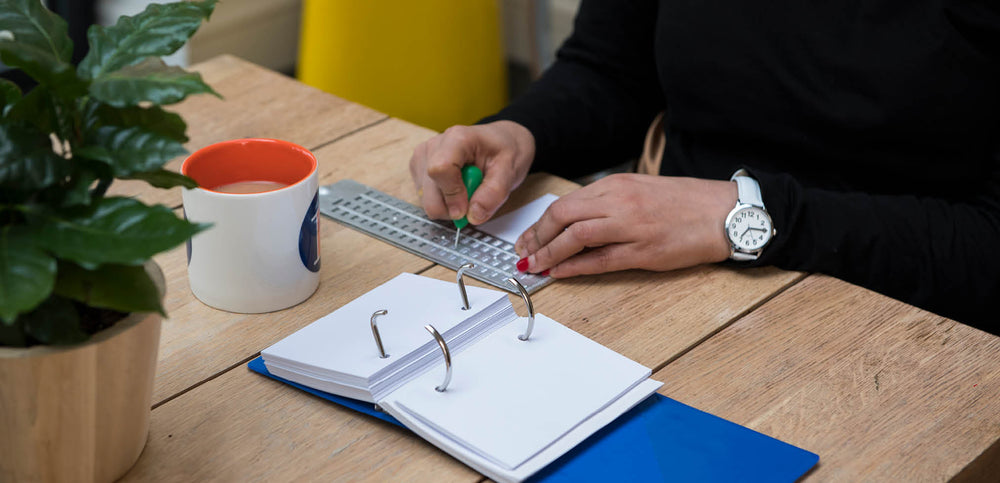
(338, 354)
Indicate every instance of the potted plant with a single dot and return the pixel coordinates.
(80, 300)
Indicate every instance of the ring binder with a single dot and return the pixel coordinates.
(461, 284)
(572, 385)
(447, 357)
(378, 338)
(531, 308)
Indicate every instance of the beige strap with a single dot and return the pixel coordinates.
(652, 148)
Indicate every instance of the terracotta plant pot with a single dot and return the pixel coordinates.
(79, 413)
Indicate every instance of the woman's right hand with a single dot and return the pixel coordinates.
(503, 150)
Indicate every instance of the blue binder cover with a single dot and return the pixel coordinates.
(658, 440)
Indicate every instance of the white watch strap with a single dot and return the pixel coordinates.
(747, 189)
(742, 257)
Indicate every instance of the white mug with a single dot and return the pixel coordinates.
(262, 252)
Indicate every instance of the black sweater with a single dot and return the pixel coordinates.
(873, 127)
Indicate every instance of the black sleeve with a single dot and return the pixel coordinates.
(936, 253)
(591, 109)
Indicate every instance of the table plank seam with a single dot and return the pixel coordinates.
(242, 362)
(194, 386)
(731, 321)
(327, 143)
(350, 133)
(658, 367)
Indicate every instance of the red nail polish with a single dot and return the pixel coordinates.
(545, 273)
(522, 265)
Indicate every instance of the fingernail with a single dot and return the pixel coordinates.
(476, 214)
(545, 273)
(522, 265)
(454, 212)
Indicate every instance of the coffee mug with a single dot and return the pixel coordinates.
(262, 252)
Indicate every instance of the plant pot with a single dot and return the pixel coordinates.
(79, 413)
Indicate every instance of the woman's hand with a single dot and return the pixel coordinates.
(630, 221)
(503, 150)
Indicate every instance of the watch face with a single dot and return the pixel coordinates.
(749, 228)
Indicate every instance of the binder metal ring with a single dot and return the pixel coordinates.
(447, 357)
(461, 283)
(531, 308)
(378, 339)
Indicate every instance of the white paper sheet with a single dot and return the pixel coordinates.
(569, 441)
(510, 226)
(510, 399)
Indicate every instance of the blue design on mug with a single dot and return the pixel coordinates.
(184, 212)
(309, 237)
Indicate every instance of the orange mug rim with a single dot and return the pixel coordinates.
(222, 145)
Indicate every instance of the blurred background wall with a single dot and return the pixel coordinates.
(266, 32)
(525, 35)
(431, 62)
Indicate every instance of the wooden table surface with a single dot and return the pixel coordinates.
(879, 389)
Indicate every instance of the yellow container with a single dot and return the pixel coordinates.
(431, 62)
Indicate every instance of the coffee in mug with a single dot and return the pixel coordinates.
(243, 187)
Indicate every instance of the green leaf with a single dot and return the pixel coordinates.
(95, 153)
(78, 191)
(36, 109)
(54, 322)
(115, 230)
(45, 111)
(130, 150)
(159, 30)
(27, 273)
(153, 119)
(119, 287)
(34, 25)
(44, 67)
(165, 179)
(148, 81)
(38, 43)
(9, 94)
(26, 160)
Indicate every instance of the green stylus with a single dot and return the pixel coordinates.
(471, 177)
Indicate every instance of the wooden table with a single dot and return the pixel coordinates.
(879, 389)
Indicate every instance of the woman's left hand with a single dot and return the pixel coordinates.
(628, 221)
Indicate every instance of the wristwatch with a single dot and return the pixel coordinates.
(748, 226)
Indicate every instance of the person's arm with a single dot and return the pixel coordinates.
(591, 109)
(936, 253)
